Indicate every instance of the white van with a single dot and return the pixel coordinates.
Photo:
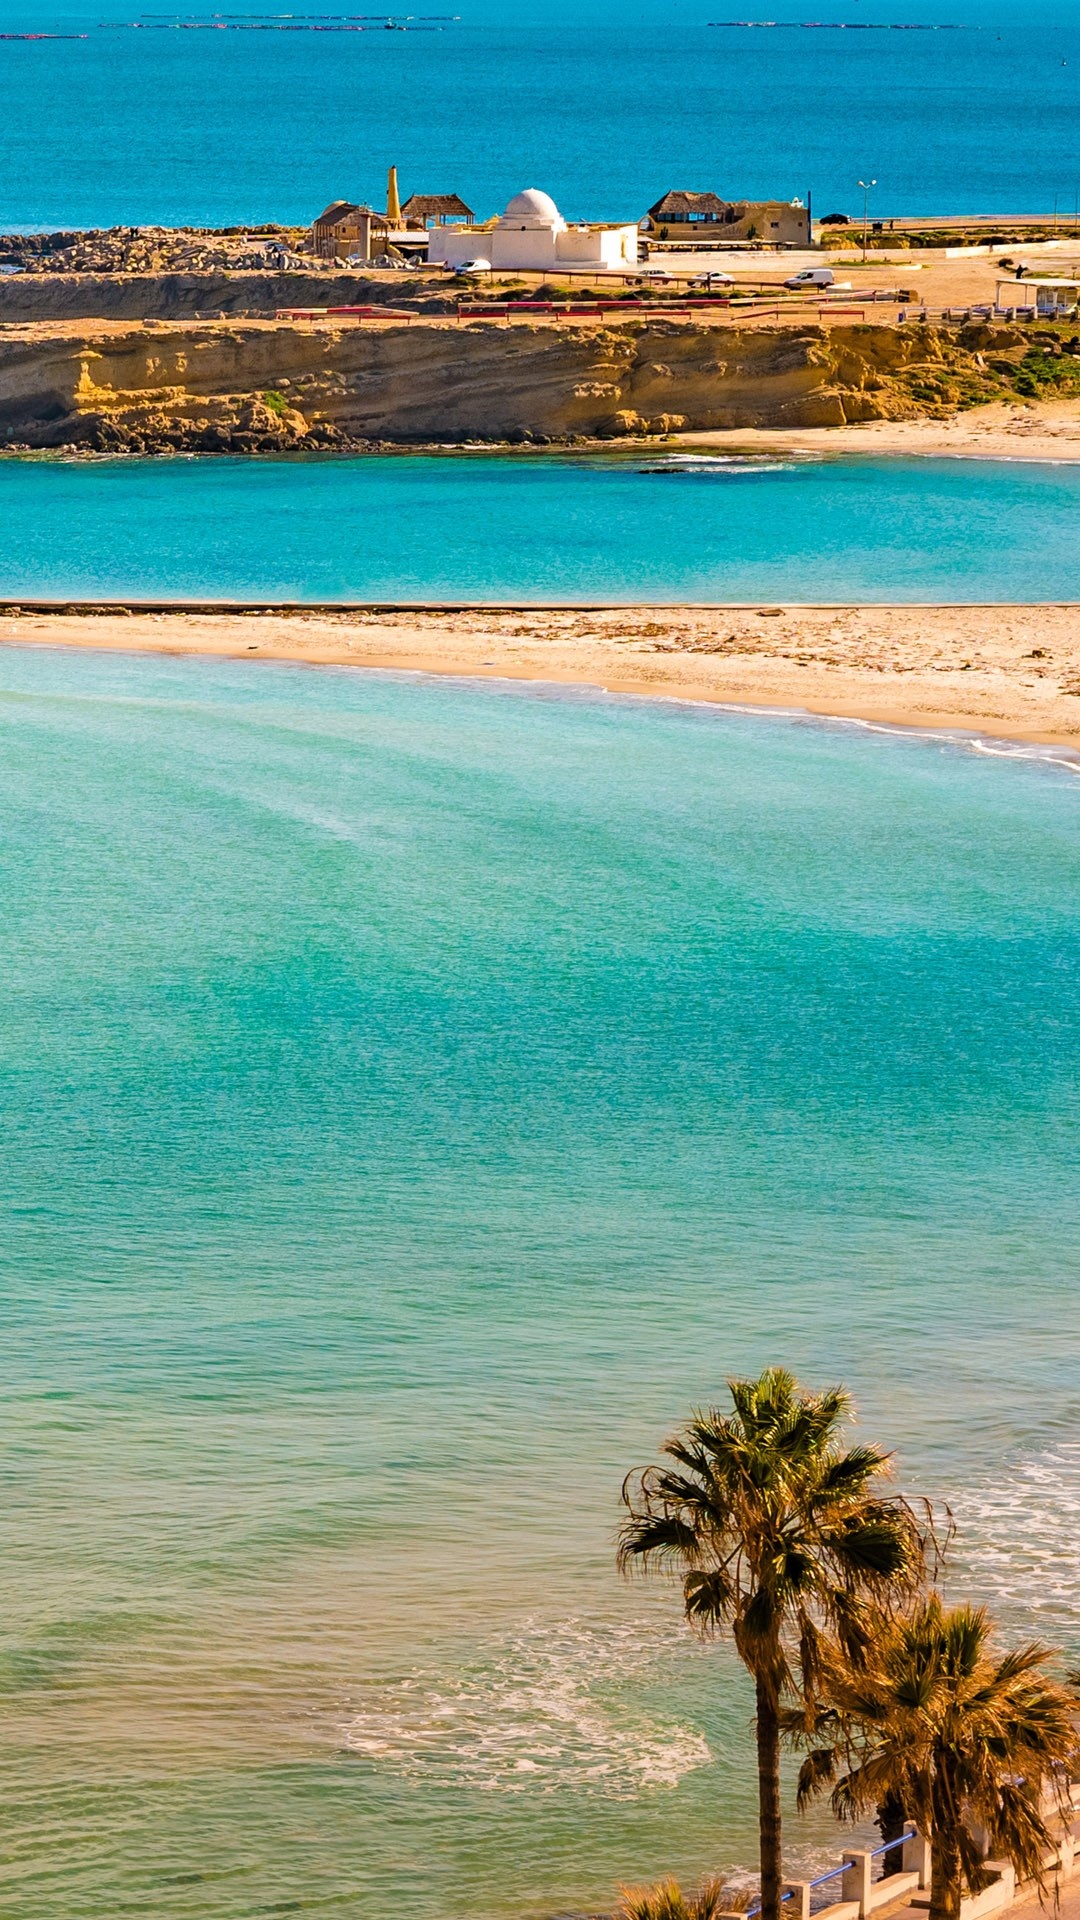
(812, 277)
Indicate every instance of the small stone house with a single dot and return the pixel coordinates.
(343, 228)
(706, 220)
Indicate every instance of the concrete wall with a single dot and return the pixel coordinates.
(536, 249)
(861, 1895)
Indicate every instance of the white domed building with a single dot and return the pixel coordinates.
(532, 236)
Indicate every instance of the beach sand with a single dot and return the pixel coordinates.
(1012, 671)
(1005, 430)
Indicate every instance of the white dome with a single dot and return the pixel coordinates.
(533, 209)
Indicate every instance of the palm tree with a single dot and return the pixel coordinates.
(969, 1737)
(783, 1537)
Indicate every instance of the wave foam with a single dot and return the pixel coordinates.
(728, 466)
(1017, 1541)
(545, 1710)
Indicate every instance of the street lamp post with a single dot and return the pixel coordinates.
(866, 186)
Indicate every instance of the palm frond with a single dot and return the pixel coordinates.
(709, 1597)
(816, 1776)
(648, 1538)
(848, 1473)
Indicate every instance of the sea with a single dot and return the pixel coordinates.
(417, 1095)
(533, 528)
(231, 115)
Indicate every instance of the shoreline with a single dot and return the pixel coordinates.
(1002, 671)
(1038, 431)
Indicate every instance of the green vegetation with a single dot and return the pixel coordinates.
(785, 1539)
(667, 1901)
(275, 402)
(1046, 375)
(793, 1545)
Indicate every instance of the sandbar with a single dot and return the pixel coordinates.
(998, 670)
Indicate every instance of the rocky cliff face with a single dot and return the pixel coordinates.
(185, 295)
(263, 385)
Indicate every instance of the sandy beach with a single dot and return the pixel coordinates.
(1011, 671)
(1005, 430)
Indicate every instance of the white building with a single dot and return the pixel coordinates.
(532, 236)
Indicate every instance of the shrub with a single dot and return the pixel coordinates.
(1043, 374)
(667, 1901)
(275, 402)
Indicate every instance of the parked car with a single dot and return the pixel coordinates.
(812, 277)
(714, 279)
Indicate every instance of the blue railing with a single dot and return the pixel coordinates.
(890, 1844)
(834, 1873)
(789, 1894)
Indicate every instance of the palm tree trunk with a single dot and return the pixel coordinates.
(944, 1878)
(891, 1824)
(945, 1869)
(769, 1837)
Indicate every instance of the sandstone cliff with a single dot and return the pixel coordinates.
(261, 385)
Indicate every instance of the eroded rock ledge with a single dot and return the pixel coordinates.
(270, 385)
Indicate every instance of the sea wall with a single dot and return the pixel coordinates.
(263, 385)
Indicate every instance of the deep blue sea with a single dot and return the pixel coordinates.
(603, 104)
(530, 527)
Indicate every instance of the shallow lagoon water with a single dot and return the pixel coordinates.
(524, 528)
(416, 1094)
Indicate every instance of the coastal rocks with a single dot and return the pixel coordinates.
(270, 418)
(266, 386)
(207, 294)
(147, 249)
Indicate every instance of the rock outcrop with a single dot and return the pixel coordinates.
(184, 295)
(249, 386)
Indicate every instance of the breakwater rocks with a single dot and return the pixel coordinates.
(266, 386)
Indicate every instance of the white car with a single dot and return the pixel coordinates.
(475, 266)
(710, 280)
(812, 277)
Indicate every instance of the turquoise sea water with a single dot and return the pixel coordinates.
(604, 105)
(656, 527)
(416, 1094)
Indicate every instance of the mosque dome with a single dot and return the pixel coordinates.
(533, 209)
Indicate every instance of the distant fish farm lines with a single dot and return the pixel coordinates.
(282, 23)
(852, 26)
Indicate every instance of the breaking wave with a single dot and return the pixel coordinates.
(1017, 1542)
(547, 1709)
(726, 466)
